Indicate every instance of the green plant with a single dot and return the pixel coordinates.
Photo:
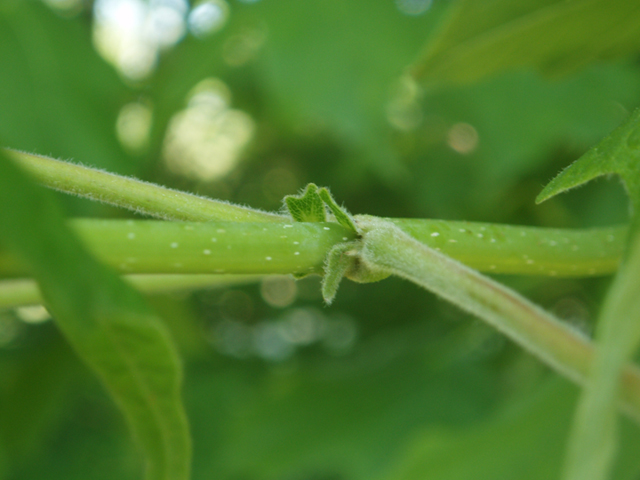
(198, 242)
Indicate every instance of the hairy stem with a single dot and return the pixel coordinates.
(387, 248)
(133, 194)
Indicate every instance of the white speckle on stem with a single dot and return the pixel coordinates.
(268, 258)
(286, 226)
(296, 243)
(493, 240)
(296, 253)
(553, 243)
(435, 234)
(480, 235)
(221, 230)
(326, 228)
(214, 239)
(131, 235)
(174, 245)
(462, 230)
(523, 234)
(188, 227)
(453, 240)
(206, 252)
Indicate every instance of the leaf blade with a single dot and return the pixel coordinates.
(484, 38)
(107, 323)
(617, 153)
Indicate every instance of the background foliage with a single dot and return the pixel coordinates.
(389, 383)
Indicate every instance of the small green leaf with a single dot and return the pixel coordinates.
(483, 38)
(343, 217)
(618, 153)
(336, 266)
(306, 207)
(106, 322)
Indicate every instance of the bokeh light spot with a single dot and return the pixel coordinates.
(278, 290)
(208, 17)
(33, 314)
(133, 126)
(204, 141)
(463, 138)
(413, 7)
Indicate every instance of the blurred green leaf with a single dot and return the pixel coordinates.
(483, 37)
(525, 125)
(524, 441)
(58, 96)
(348, 418)
(330, 67)
(31, 396)
(593, 445)
(106, 321)
(594, 442)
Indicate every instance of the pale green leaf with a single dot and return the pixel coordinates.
(106, 322)
(343, 217)
(336, 266)
(307, 206)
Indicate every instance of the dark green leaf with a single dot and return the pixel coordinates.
(106, 322)
(483, 37)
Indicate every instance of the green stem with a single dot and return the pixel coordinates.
(146, 246)
(522, 250)
(154, 246)
(136, 195)
(486, 247)
(387, 248)
(15, 293)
